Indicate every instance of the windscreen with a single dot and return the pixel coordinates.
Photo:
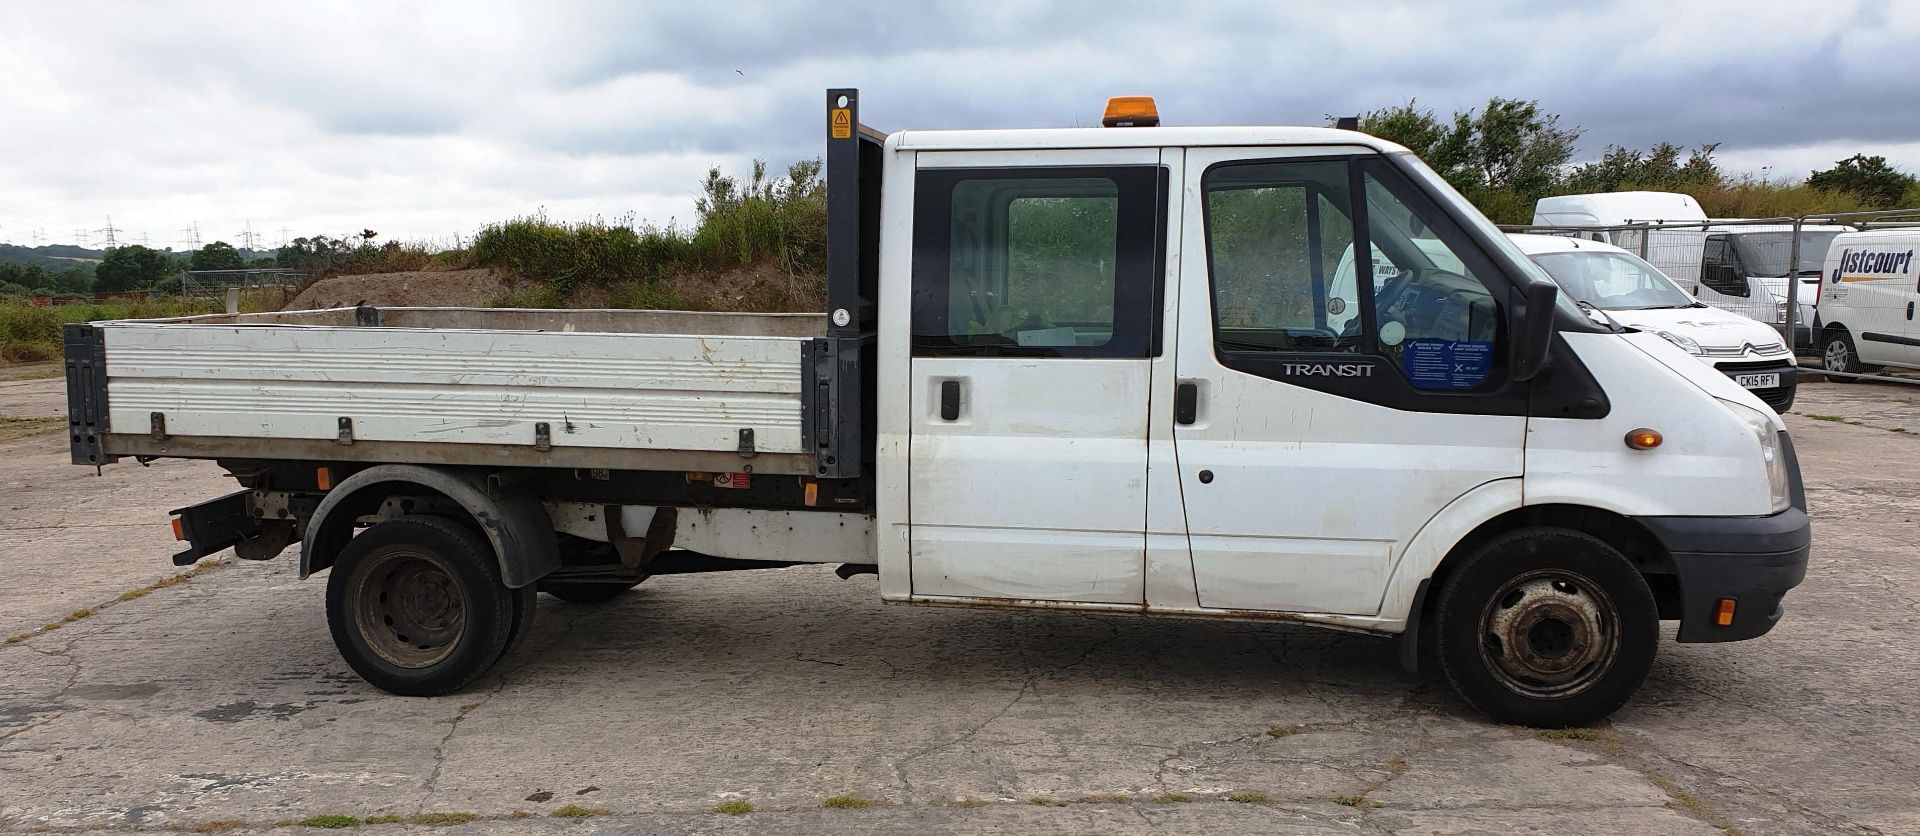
(1612, 281)
(1765, 254)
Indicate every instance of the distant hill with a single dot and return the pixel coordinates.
(62, 256)
(51, 256)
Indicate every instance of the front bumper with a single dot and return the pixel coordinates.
(1752, 560)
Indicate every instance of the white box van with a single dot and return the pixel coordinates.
(1636, 295)
(1866, 311)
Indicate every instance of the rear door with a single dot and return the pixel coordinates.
(1035, 313)
(1335, 407)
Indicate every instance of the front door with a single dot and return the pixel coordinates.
(1035, 299)
(1337, 401)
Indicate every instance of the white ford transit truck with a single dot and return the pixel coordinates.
(1088, 369)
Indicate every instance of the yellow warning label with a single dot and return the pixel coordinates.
(842, 123)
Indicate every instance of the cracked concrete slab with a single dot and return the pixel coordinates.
(222, 699)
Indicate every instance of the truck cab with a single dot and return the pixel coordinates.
(1111, 370)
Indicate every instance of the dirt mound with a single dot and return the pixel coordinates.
(447, 289)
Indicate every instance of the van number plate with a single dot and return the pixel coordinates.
(1757, 381)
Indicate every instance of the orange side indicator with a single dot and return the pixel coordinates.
(1644, 439)
(179, 530)
(323, 478)
(1723, 612)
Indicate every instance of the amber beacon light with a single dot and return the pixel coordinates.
(1644, 439)
(1131, 112)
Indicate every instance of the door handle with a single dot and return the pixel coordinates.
(1909, 310)
(1186, 403)
(949, 400)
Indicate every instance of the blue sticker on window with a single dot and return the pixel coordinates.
(1447, 364)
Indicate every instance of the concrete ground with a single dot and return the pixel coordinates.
(219, 702)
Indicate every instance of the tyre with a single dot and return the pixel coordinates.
(1838, 354)
(1546, 627)
(586, 592)
(417, 608)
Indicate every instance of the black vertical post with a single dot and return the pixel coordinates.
(841, 371)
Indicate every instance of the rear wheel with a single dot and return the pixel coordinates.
(1547, 627)
(417, 608)
(1839, 354)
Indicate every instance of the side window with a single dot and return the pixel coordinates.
(1275, 235)
(1299, 267)
(1718, 270)
(1056, 262)
(1436, 316)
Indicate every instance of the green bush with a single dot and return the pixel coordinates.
(782, 219)
(29, 334)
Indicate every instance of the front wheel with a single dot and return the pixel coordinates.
(1547, 627)
(417, 608)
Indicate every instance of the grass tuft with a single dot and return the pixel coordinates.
(1248, 797)
(385, 818)
(438, 819)
(1284, 731)
(330, 821)
(1172, 798)
(846, 802)
(1349, 800)
(1042, 801)
(733, 807)
(1566, 734)
(217, 826)
(575, 811)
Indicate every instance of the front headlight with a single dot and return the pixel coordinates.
(1761, 425)
(1686, 344)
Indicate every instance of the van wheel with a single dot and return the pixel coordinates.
(1840, 355)
(1547, 627)
(417, 608)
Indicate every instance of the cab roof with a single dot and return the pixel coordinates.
(1068, 138)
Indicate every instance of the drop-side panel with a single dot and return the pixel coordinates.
(441, 386)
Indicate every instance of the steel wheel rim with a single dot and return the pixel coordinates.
(1549, 634)
(1836, 356)
(408, 607)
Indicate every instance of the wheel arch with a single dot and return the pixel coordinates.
(1622, 532)
(515, 525)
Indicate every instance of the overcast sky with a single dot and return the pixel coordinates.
(423, 120)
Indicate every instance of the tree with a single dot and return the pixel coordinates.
(1876, 184)
(1657, 169)
(1503, 157)
(218, 255)
(129, 267)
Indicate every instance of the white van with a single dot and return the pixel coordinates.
(1738, 268)
(1636, 295)
(1740, 262)
(1081, 369)
(1866, 313)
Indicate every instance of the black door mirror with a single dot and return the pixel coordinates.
(1533, 329)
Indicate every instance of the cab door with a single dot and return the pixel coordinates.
(1034, 322)
(1329, 405)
